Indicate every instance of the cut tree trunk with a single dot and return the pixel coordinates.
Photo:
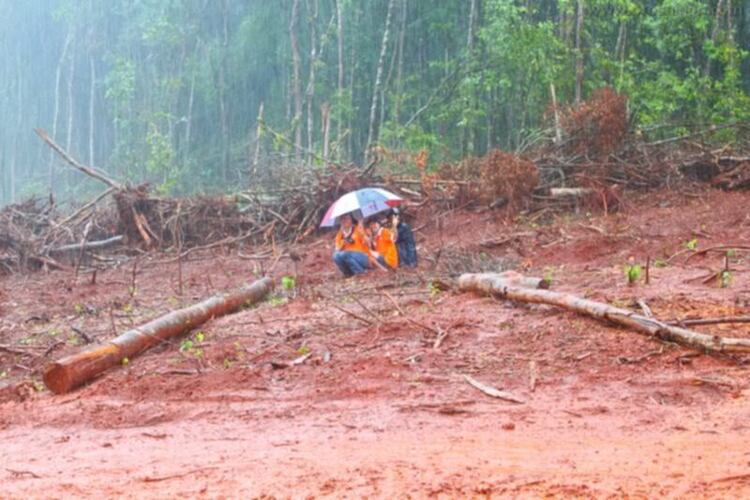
(579, 52)
(72, 371)
(296, 86)
(497, 286)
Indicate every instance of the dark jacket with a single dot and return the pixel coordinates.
(407, 247)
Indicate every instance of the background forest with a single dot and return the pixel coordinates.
(207, 95)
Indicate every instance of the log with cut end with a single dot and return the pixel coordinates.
(496, 285)
(72, 371)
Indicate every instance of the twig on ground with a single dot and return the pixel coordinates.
(288, 364)
(353, 315)
(363, 306)
(150, 479)
(19, 473)
(53, 347)
(86, 337)
(410, 320)
(623, 360)
(19, 352)
(719, 248)
(439, 339)
(493, 392)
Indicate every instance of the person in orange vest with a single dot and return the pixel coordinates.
(351, 247)
(383, 251)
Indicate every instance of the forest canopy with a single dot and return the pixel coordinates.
(206, 95)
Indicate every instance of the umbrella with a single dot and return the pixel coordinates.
(362, 202)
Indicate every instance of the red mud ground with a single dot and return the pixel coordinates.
(377, 410)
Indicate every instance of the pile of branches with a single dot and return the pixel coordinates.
(594, 147)
(586, 159)
(35, 234)
(496, 180)
(20, 225)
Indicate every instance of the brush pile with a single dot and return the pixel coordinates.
(35, 234)
(586, 159)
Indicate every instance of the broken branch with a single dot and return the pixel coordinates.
(491, 391)
(86, 170)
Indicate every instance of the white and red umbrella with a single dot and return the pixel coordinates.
(361, 203)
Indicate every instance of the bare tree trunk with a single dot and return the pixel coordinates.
(296, 87)
(56, 112)
(19, 123)
(715, 33)
(71, 110)
(400, 67)
(372, 133)
(325, 114)
(310, 91)
(558, 130)
(352, 72)
(620, 40)
(222, 93)
(387, 82)
(730, 22)
(579, 52)
(258, 135)
(92, 109)
(189, 123)
(469, 140)
(340, 80)
(490, 124)
(12, 168)
(472, 20)
(620, 47)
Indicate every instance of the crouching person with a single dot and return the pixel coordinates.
(383, 251)
(404, 237)
(351, 254)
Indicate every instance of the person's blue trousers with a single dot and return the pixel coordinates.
(350, 263)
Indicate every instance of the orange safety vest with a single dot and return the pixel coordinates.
(386, 246)
(358, 243)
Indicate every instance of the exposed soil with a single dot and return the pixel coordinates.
(376, 410)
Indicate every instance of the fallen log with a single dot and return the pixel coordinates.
(72, 371)
(89, 245)
(495, 285)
